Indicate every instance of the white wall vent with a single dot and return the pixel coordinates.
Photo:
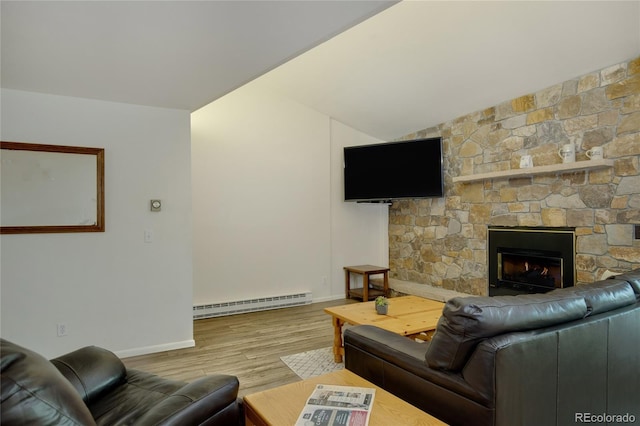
(250, 305)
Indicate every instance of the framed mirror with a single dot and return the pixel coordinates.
(51, 188)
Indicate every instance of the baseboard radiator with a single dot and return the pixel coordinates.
(251, 305)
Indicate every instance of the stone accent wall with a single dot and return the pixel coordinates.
(442, 242)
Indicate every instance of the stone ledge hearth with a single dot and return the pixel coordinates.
(443, 242)
(401, 288)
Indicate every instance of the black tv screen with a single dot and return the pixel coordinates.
(394, 170)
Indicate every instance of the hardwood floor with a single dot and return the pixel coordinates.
(248, 346)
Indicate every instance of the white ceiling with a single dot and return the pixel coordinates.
(410, 66)
(173, 54)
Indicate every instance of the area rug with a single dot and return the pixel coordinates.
(312, 363)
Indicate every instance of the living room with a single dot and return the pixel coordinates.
(260, 212)
(278, 222)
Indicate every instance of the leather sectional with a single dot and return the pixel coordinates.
(92, 386)
(539, 359)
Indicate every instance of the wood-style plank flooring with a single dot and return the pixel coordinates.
(248, 346)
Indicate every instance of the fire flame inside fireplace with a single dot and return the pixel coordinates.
(542, 271)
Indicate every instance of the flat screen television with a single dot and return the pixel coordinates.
(388, 171)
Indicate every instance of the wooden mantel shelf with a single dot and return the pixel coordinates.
(553, 168)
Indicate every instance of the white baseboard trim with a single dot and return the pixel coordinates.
(145, 350)
(328, 298)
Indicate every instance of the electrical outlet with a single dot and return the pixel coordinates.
(62, 329)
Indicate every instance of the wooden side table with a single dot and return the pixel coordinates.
(365, 293)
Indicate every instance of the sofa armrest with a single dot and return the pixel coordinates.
(211, 397)
(35, 393)
(91, 370)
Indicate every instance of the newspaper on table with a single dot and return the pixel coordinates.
(332, 405)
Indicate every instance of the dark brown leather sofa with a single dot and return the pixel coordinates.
(562, 358)
(92, 386)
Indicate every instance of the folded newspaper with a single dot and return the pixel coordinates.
(331, 405)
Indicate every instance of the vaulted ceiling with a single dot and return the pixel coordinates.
(382, 67)
(173, 54)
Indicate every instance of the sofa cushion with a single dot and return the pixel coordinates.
(602, 296)
(195, 402)
(34, 392)
(633, 278)
(467, 320)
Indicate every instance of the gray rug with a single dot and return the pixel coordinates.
(312, 363)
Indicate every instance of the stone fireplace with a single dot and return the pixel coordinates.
(443, 242)
(530, 260)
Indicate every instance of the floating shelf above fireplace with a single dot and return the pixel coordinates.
(553, 168)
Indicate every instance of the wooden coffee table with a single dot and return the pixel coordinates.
(408, 315)
(282, 405)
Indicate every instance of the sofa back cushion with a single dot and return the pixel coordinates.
(602, 296)
(93, 371)
(35, 393)
(467, 320)
(633, 278)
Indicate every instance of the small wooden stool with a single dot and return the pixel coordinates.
(365, 293)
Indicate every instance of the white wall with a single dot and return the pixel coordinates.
(268, 218)
(267, 200)
(111, 289)
(359, 231)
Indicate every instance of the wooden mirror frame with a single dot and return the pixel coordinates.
(98, 225)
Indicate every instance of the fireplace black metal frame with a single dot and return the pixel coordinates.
(534, 239)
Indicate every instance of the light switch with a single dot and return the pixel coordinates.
(148, 236)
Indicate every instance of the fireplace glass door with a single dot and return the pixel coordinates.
(538, 272)
(530, 260)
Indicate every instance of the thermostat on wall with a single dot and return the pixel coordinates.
(156, 205)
